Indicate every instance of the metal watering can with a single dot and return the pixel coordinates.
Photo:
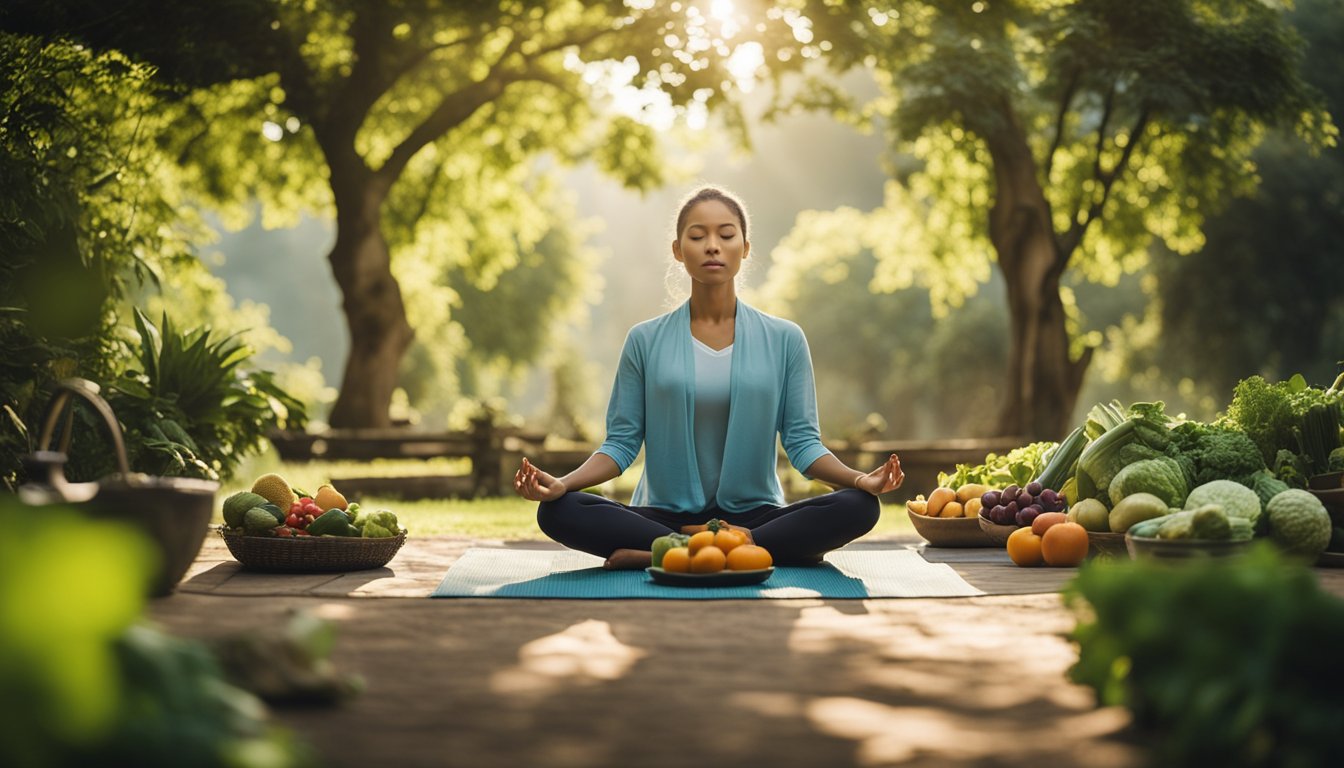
(174, 512)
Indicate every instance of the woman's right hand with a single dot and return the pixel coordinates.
(535, 485)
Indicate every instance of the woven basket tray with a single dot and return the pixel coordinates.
(311, 554)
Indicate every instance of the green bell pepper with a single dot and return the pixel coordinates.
(663, 543)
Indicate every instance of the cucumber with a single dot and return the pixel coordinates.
(1061, 464)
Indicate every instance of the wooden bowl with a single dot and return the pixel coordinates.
(1107, 544)
(1327, 488)
(1182, 549)
(997, 533)
(950, 531)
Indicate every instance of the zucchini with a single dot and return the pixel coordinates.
(1062, 461)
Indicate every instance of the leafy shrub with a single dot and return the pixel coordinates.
(1229, 661)
(189, 408)
(86, 683)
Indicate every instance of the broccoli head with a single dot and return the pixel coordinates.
(383, 523)
(1216, 453)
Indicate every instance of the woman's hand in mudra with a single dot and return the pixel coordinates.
(887, 477)
(535, 485)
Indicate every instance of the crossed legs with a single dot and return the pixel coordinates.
(799, 533)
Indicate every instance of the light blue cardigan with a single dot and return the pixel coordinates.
(653, 401)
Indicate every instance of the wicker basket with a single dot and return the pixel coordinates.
(1107, 544)
(311, 554)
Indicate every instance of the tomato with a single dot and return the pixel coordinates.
(293, 521)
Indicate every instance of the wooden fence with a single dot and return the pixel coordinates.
(495, 452)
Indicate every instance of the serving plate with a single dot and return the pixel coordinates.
(720, 579)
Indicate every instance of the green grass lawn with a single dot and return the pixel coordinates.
(509, 518)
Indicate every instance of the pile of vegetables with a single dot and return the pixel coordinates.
(274, 508)
(1208, 480)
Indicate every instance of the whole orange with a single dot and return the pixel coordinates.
(1024, 547)
(1045, 520)
(749, 557)
(700, 540)
(1064, 544)
(707, 560)
(728, 539)
(677, 560)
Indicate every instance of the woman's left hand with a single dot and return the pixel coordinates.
(887, 477)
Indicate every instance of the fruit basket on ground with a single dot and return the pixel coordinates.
(948, 518)
(315, 534)
(950, 531)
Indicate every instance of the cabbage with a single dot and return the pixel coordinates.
(1299, 523)
(1236, 499)
(1162, 477)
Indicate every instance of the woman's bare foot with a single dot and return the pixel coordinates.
(629, 560)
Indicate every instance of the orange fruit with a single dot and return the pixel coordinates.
(1064, 544)
(1045, 520)
(1024, 547)
(749, 557)
(728, 539)
(708, 559)
(677, 560)
(700, 540)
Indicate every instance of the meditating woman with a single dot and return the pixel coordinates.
(706, 390)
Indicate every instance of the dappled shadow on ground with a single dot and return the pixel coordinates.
(969, 681)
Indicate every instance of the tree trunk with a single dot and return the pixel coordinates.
(1043, 382)
(371, 299)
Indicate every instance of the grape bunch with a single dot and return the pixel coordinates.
(1019, 506)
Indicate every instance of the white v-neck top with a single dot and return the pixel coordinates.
(713, 376)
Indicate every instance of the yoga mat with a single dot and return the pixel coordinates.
(484, 572)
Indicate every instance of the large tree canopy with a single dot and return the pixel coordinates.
(1271, 270)
(1058, 135)
(410, 121)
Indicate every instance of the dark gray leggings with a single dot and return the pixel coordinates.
(798, 533)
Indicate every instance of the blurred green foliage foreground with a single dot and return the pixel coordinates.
(86, 682)
(1228, 661)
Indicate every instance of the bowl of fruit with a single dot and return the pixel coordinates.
(1002, 512)
(948, 518)
(275, 527)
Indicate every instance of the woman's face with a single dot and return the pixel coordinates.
(710, 245)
